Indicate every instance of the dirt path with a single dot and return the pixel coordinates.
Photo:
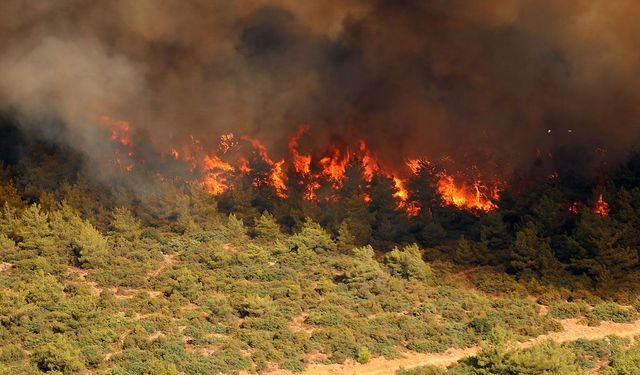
(381, 366)
(169, 260)
(574, 331)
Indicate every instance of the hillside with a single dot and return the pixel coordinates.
(92, 289)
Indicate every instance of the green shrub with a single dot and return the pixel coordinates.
(408, 264)
(566, 310)
(611, 312)
(59, 355)
(492, 282)
(11, 353)
(625, 363)
(427, 346)
(364, 355)
(294, 365)
(425, 370)
(329, 316)
(312, 237)
(545, 358)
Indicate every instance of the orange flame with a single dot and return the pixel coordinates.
(301, 163)
(277, 176)
(401, 192)
(464, 196)
(175, 153)
(414, 165)
(334, 166)
(216, 172)
(310, 191)
(214, 179)
(573, 208)
(369, 163)
(213, 162)
(601, 207)
(413, 208)
(226, 142)
(119, 130)
(244, 165)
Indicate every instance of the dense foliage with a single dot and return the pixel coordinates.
(166, 279)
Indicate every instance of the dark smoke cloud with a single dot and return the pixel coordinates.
(413, 78)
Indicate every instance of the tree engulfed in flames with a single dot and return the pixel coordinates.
(601, 207)
(120, 135)
(475, 196)
(218, 166)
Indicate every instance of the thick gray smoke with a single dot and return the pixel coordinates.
(413, 78)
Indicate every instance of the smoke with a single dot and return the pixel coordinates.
(413, 78)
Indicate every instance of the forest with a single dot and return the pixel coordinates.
(99, 278)
(366, 187)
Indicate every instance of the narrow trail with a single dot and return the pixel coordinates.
(381, 366)
(167, 261)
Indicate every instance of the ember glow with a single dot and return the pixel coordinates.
(601, 207)
(119, 130)
(121, 137)
(217, 168)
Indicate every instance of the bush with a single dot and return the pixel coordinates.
(312, 237)
(256, 306)
(364, 355)
(611, 312)
(545, 358)
(328, 316)
(624, 363)
(408, 264)
(58, 355)
(294, 365)
(427, 346)
(11, 353)
(567, 310)
(492, 282)
(426, 370)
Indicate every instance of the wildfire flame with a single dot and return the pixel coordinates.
(371, 166)
(120, 134)
(217, 168)
(601, 207)
(301, 163)
(573, 208)
(334, 165)
(472, 196)
(277, 176)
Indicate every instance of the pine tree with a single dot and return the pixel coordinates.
(358, 218)
(312, 237)
(389, 221)
(407, 263)
(236, 230)
(124, 224)
(346, 239)
(531, 254)
(464, 253)
(602, 255)
(35, 236)
(267, 229)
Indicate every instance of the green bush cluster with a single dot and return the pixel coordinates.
(177, 282)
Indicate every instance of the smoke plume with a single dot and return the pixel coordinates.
(413, 78)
